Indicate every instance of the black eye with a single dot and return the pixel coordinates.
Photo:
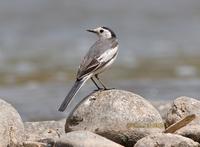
(101, 31)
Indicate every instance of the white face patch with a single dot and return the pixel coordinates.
(103, 33)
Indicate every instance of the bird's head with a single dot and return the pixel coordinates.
(103, 32)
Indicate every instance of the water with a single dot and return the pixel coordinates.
(40, 102)
(42, 42)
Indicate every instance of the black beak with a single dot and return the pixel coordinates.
(91, 31)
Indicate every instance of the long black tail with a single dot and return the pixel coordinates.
(77, 85)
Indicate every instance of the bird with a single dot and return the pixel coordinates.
(100, 57)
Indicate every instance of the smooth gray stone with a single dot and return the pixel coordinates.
(166, 140)
(45, 131)
(180, 108)
(11, 125)
(121, 116)
(84, 139)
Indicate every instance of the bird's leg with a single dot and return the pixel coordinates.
(95, 83)
(96, 76)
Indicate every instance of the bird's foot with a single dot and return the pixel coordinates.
(104, 89)
(109, 88)
(99, 89)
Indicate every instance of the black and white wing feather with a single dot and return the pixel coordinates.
(98, 55)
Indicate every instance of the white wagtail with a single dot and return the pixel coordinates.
(99, 57)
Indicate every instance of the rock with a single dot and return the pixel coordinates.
(180, 124)
(34, 144)
(118, 115)
(11, 125)
(190, 131)
(46, 131)
(84, 139)
(166, 140)
(182, 107)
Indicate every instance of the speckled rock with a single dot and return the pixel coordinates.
(118, 115)
(45, 131)
(166, 140)
(84, 139)
(190, 131)
(34, 144)
(11, 125)
(182, 107)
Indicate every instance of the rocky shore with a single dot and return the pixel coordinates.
(110, 118)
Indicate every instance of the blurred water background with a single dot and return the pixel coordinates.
(42, 43)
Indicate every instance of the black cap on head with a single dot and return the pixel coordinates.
(112, 33)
